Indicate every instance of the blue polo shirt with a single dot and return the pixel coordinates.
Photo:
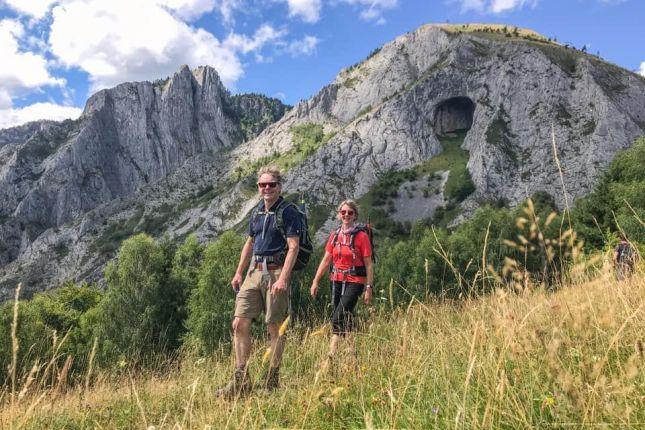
(267, 238)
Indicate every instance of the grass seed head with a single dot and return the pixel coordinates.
(283, 327)
(638, 347)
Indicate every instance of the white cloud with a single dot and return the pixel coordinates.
(307, 10)
(10, 117)
(115, 46)
(642, 70)
(24, 72)
(5, 99)
(227, 8)
(20, 71)
(124, 40)
(306, 46)
(35, 8)
(185, 9)
(188, 9)
(372, 10)
(245, 44)
(494, 6)
(498, 6)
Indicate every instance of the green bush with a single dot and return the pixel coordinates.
(62, 313)
(186, 266)
(211, 304)
(138, 316)
(617, 201)
(434, 260)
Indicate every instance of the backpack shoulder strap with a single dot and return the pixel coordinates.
(279, 216)
(255, 212)
(357, 229)
(336, 233)
(258, 209)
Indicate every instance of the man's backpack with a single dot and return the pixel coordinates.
(306, 245)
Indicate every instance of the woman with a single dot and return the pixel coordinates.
(350, 252)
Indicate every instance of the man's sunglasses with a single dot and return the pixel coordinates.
(344, 212)
(267, 184)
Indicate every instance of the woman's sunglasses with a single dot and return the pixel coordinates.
(267, 184)
(344, 212)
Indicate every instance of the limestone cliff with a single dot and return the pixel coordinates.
(158, 163)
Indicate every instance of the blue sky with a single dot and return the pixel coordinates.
(55, 53)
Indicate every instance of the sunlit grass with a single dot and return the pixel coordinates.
(506, 360)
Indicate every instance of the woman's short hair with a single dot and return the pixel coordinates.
(351, 203)
(271, 170)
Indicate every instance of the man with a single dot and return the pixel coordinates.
(269, 253)
(625, 258)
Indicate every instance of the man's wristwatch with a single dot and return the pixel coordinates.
(368, 286)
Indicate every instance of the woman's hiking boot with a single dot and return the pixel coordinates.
(240, 385)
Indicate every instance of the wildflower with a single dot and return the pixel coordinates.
(548, 401)
(435, 410)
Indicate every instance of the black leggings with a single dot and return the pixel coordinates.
(344, 301)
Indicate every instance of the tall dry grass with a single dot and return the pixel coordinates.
(528, 359)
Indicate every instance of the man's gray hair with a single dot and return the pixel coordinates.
(271, 170)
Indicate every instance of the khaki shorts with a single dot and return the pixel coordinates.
(255, 297)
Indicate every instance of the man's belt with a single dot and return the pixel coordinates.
(269, 260)
(259, 266)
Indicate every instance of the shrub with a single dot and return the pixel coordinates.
(211, 304)
(617, 201)
(138, 316)
(186, 265)
(62, 312)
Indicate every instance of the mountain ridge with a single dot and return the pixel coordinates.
(383, 114)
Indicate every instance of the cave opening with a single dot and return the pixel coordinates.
(454, 114)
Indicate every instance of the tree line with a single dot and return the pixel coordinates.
(163, 298)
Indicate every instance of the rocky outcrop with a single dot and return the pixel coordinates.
(156, 158)
(127, 137)
(255, 112)
(521, 90)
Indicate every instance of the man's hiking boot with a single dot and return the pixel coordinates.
(240, 385)
(272, 381)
